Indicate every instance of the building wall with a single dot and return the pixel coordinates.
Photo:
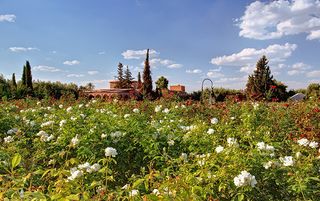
(178, 88)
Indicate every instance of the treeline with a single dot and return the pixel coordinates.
(26, 87)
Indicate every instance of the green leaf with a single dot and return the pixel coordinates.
(137, 183)
(240, 197)
(15, 160)
(73, 197)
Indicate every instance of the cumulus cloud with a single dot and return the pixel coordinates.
(175, 66)
(315, 73)
(248, 57)
(71, 63)
(214, 74)
(75, 75)
(8, 18)
(194, 71)
(275, 19)
(298, 68)
(46, 68)
(94, 72)
(137, 54)
(22, 49)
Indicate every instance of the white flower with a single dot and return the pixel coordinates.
(219, 149)
(12, 131)
(136, 110)
(232, 118)
(75, 174)
(171, 142)
(103, 135)
(74, 141)
(214, 120)
(255, 105)
(261, 145)
(94, 168)
(156, 192)
(62, 122)
(81, 105)
(82, 116)
(38, 103)
(134, 192)
(245, 179)
(21, 193)
(158, 108)
(313, 144)
(60, 106)
(268, 164)
(125, 187)
(86, 166)
(8, 139)
(287, 161)
(210, 131)
(73, 118)
(48, 123)
(269, 148)
(166, 110)
(109, 151)
(303, 142)
(69, 109)
(126, 115)
(232, 141)
(184, 157)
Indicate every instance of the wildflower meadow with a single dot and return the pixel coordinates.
(161, 150)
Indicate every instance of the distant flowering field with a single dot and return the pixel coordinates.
(159, 151)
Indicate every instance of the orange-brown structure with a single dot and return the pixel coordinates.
(178, 88)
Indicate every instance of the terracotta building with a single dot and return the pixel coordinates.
(179, 88)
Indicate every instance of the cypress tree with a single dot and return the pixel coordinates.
(147, 80)
(139, 81)
(29, 76)
(127, 78)
(120, 78)
(24, 77)
(14, 83)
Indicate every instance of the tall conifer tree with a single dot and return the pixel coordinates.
(127, 78)
(147, 80)
(120, 77)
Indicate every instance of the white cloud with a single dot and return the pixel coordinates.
(247, 58)
(8, 18)
(214, 74)
(22, 49)
(75, 75)
(298, 68)
(94, 72)
(194, 71)
(315, 73)
(137, 54)
(45, 68)
(275, 19)
(102, 53)
(294, 72)
(71, 63)
(314, 35)
(175, 66)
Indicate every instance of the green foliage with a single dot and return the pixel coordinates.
(120, 77)
(313, 90)
(127, 78)
(162, 83)
(165, 150)
(260, 82)
(147, 80)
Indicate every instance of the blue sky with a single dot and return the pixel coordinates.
(83, 41)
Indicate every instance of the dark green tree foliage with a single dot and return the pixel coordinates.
(260, 82)
(29, 76)
(127, 78)
(120, 77)
(5, 91)
(139, 81)
(14, 82)
(24, 77)
(162, 83)
(147, 80)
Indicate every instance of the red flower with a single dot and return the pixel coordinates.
(273, 86)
